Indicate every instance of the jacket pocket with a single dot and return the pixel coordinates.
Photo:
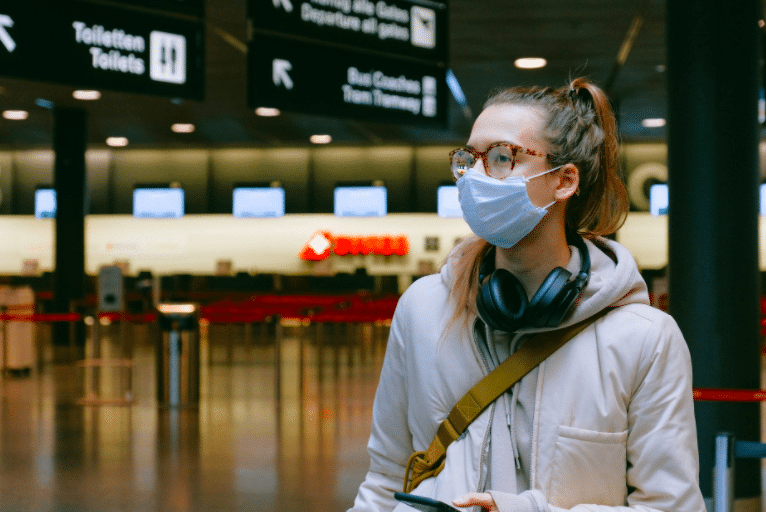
(588, 467)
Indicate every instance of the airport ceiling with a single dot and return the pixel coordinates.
(584, 37)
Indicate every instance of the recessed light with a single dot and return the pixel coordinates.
(86, 95)
(530, 62)
(267, 112)
(15, 115)
(653, 122)
(320, 139)
(117, 142)
(182, 127)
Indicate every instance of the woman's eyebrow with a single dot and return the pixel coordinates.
(507, 142)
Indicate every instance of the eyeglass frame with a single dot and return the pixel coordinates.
(483, 156)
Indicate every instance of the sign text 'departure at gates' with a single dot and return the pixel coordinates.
(381, 61)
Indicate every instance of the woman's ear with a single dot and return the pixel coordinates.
(569, 182)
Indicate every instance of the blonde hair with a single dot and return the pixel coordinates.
(580, 128)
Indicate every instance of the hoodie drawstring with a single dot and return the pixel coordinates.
(511, 419)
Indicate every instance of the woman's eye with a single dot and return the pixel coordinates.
(502, 159)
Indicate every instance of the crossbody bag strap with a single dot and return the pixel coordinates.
(428, 463)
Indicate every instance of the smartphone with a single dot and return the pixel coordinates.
(424, 504)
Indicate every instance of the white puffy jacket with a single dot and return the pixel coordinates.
(613, 427)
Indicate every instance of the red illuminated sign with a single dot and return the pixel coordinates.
(324, 243)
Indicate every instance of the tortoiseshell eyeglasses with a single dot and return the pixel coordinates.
(499, 159)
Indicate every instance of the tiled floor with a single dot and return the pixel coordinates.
(281, 424)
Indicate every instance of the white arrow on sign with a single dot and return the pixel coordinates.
(5, 37)
(285, 4)
(279, 74)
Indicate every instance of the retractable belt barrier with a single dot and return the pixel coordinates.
(348, 308)
(727, 448)
(343, 308)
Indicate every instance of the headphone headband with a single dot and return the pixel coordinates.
(502, 301)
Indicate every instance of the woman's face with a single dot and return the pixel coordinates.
(521, 126)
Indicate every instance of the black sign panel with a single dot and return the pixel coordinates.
(92, 46)
(406, 28)
(314, 79)
(188, 7)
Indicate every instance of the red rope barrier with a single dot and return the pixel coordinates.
(730, 395)
(40, 317)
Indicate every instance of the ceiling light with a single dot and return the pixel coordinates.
(655, 122)
(267, 112)
(15, 115)
(117, 142)
(182, 127)
(320, 139)
(530, 63)
(86, 95)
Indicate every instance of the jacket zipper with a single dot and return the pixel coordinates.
(485, 442)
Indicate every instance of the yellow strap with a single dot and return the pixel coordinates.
(429, 463)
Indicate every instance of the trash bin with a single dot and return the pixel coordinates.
(178, 357)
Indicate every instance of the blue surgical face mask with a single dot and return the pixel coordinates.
(499, 211)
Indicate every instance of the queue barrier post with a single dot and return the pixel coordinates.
(178, 355)
(727, 449)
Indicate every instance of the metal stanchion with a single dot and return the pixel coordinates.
(723, 473)
(727, 448)
(178, 357)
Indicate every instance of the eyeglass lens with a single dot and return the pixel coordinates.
(461, 161)
(500, 161)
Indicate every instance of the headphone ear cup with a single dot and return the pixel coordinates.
(547, 302)
(563, 305)
(502, 301)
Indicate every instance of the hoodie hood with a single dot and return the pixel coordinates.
(614, 280)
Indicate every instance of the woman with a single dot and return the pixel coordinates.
(606, 421)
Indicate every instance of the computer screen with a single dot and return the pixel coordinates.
(360, 201)
(45, 203)
(258, 202)
(658, 199)
(158, 202)
(447, 203)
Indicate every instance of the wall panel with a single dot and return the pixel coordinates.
(98, 167)
(290, 166)
(187, 167)
(32, 168)
(432, 165)
(6, 182)
(392, 164)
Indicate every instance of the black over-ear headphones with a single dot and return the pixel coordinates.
(502, 301)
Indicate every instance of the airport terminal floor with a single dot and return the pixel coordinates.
(281, 423)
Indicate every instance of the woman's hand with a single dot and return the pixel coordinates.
(473, 499)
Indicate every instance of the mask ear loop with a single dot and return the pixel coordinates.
(549, 205)
(540, 174)
(527, 178)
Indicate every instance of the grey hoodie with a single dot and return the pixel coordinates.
(606, 422)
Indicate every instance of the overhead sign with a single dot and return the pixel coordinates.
(395, 27)
(92, 46)
(342, 83)
(188, 7)
(382, 61)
